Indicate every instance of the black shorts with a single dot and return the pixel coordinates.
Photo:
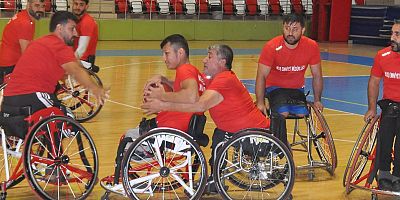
(36, 101)
(4, 70)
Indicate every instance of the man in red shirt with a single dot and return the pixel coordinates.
(187, 87)
(280, 76)
(387, 67)
(231, 106)
(17, 34)
(85, 45)
(45, 61)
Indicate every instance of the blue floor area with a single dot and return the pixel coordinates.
(347, 94)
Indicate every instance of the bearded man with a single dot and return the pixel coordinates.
(17, 34)
(387, 67)
(280, 75)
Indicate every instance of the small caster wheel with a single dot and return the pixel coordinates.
(105, 196)
(311, 175)
(374, 196)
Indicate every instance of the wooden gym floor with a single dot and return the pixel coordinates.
(125, 67)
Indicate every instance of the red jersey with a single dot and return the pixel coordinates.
(237, 111)
(19, 27)
(387, 65)
(180, 120)
(288, 66)
(87, 26)
(39, 68)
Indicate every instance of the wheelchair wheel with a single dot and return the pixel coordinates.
(164, 164)
(14, 151)
(80, 101)
(363, 155)
(254, 165)
(60, 159)
(322, 139)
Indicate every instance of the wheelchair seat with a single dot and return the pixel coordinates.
(13, 120)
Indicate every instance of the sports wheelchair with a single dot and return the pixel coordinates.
(314, 138)
(361, 172)
(167, 163)
(57, 155)
(79, 100)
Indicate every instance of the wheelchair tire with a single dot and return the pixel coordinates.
(366, 128)
(323, 140)
(60, 159)
(167, 164)
(362, 154)
(79, 100)
(249, 176)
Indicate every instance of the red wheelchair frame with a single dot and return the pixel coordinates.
(70, 169)
(360, 172)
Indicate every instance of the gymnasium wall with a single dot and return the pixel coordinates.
(114, 29)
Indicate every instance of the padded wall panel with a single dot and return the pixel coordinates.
(183, 27)
(113, 29)
(148, 30)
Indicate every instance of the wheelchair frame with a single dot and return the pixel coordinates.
(360, 172)
(59, 175)
(319, 136)
(193, 188)
(79, 100)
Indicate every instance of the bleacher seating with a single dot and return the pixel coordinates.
(8, 5)
(228, 7)
(150, 6)
(22, 4)
(99, 8)
(137, 6)
(214, 5)
(60, 5)
(263, 7)
(251, 7)
(177, 6)
(203, 6)
(297, 7)
(366, 23)
(121, 6)
(189, 7)
(285, 6)
(239, 7)
(307, 4)
(163, 6)
(274, 7)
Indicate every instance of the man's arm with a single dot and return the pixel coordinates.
(23, 44)
(209, 99)
(262, 73)
(79, 74)
(82, 46)
(158, 79)
(373, 92)
(317, 84)
(189, 93)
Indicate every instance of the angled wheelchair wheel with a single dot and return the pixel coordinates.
(362, 159)
(60, 159)
(254, 165)
(79, 100)
(10, 172)
(164, 164)
(322, 140)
